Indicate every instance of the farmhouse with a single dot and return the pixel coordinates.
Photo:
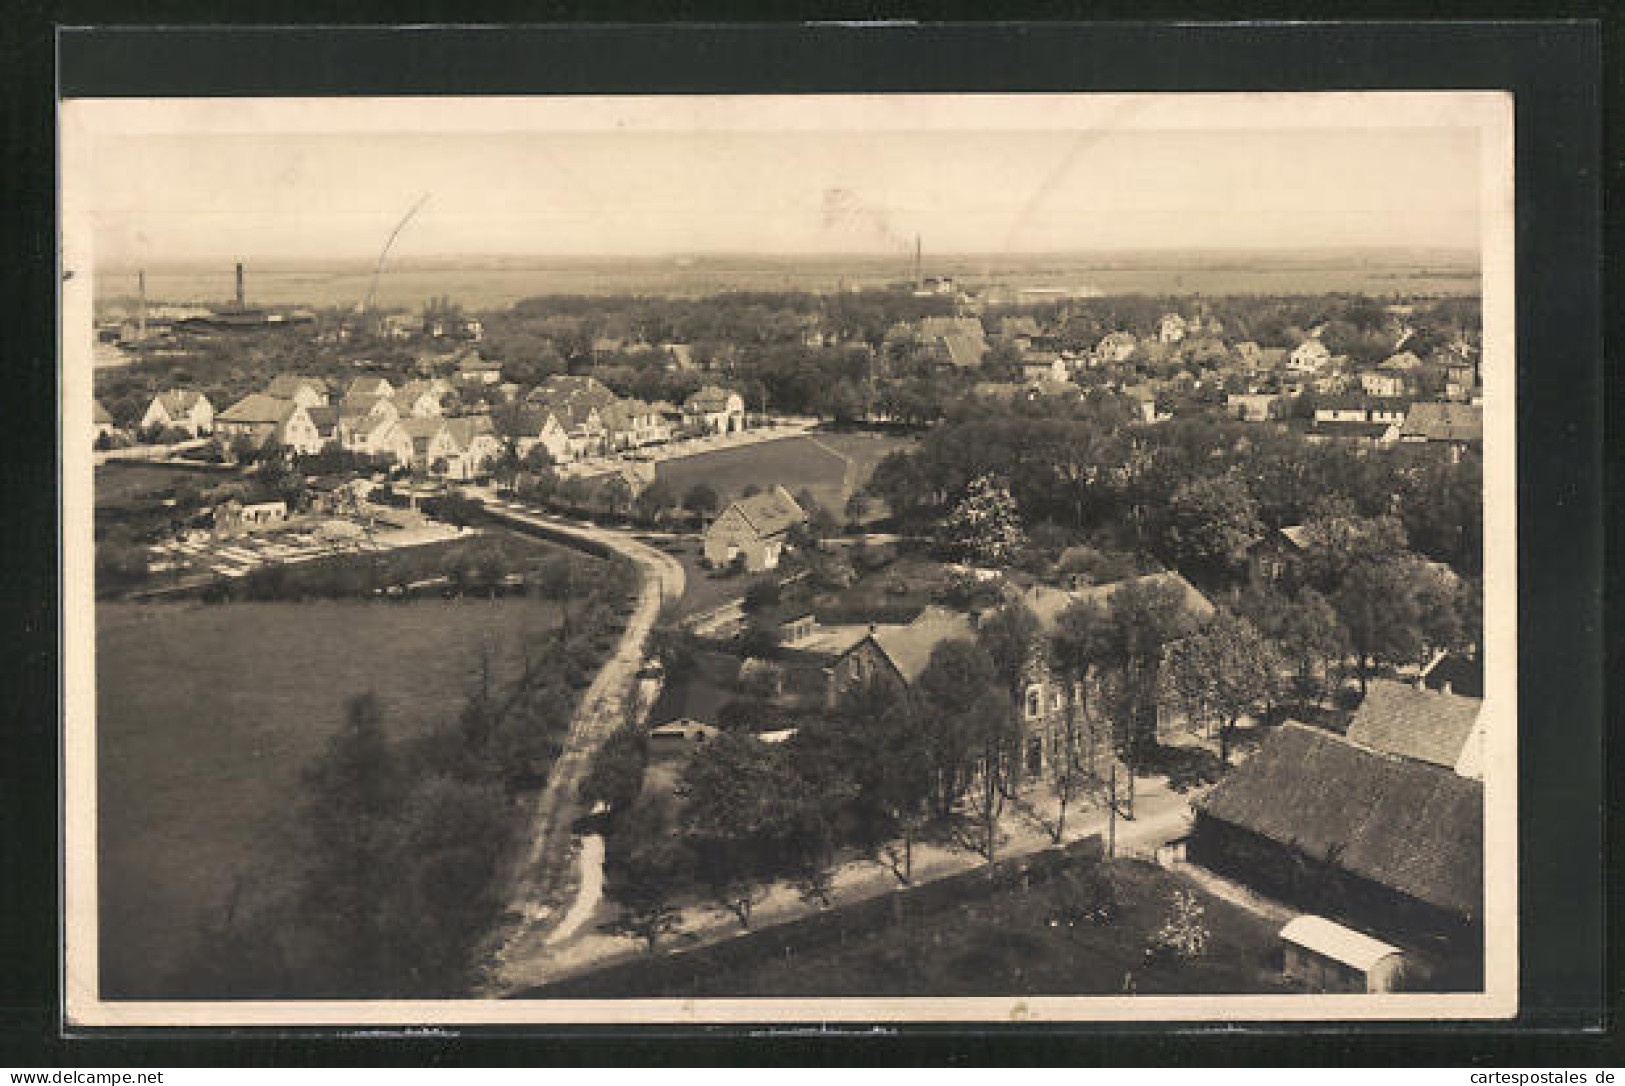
(418, 399)
(181, 408)
(422, 433)
(1402, 362)
(474, 370)
(267, 420)
(754, 527)
(1438, 727)
(1342, 409)
(1252, 406)
(304, 391)
(1310, 356)
(897, 652)
(1044, 366)
(101, 420)
(715, 410)
(1387, 845)
(1453, 424)
(379, 435)
(1049, 699)
(632, 424)
(1171, 328)
(462, 448)
(368, 388)
(530, 426)
(1116, 347)
(1379, 383)
(358, 415)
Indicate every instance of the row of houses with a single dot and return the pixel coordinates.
(421, 423)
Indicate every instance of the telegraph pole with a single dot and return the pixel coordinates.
(1111, 816)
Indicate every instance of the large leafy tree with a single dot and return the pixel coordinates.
(1078, 647)
(1313, 643)
(1144, 617)
(1379, 605)
(747, 814)
(950, 691)
(1210, 525)
(985, 526)
(1224, 671)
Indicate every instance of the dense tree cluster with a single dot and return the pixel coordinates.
(1196, 493)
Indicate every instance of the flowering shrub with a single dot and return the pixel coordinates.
(1184, 934)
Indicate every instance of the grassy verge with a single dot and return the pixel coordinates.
(1023, 933)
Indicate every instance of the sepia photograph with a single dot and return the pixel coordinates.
(711, 559)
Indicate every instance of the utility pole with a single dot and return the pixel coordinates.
(1111, 816)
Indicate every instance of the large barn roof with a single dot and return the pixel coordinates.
(1414, 828)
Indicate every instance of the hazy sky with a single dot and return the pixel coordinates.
(304, 194)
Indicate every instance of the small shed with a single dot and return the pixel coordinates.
(679, 738)
(798, 627)
(1324, 956)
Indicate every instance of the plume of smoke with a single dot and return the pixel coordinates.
(844, 211)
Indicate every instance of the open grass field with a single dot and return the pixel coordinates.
(206, 716)
(120, 485)
(1013, 943)
(832, 466)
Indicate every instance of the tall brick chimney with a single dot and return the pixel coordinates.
(239, 285)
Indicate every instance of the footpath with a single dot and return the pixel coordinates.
(542, 881)
(1161, 815)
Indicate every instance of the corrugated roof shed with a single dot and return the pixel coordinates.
(1411, 827)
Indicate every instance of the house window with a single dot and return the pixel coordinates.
(1035, 701)
(1035, 755)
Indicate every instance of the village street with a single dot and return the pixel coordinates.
(1161, 815)
(541, 882)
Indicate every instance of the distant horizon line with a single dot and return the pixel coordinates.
(901, 257)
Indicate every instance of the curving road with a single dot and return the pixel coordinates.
(540, 879)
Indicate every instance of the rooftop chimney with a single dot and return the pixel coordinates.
(239, 285)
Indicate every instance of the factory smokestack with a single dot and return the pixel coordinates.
(919, 268)
(141, 305)
(240, 285)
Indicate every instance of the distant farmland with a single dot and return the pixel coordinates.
(484, 284)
